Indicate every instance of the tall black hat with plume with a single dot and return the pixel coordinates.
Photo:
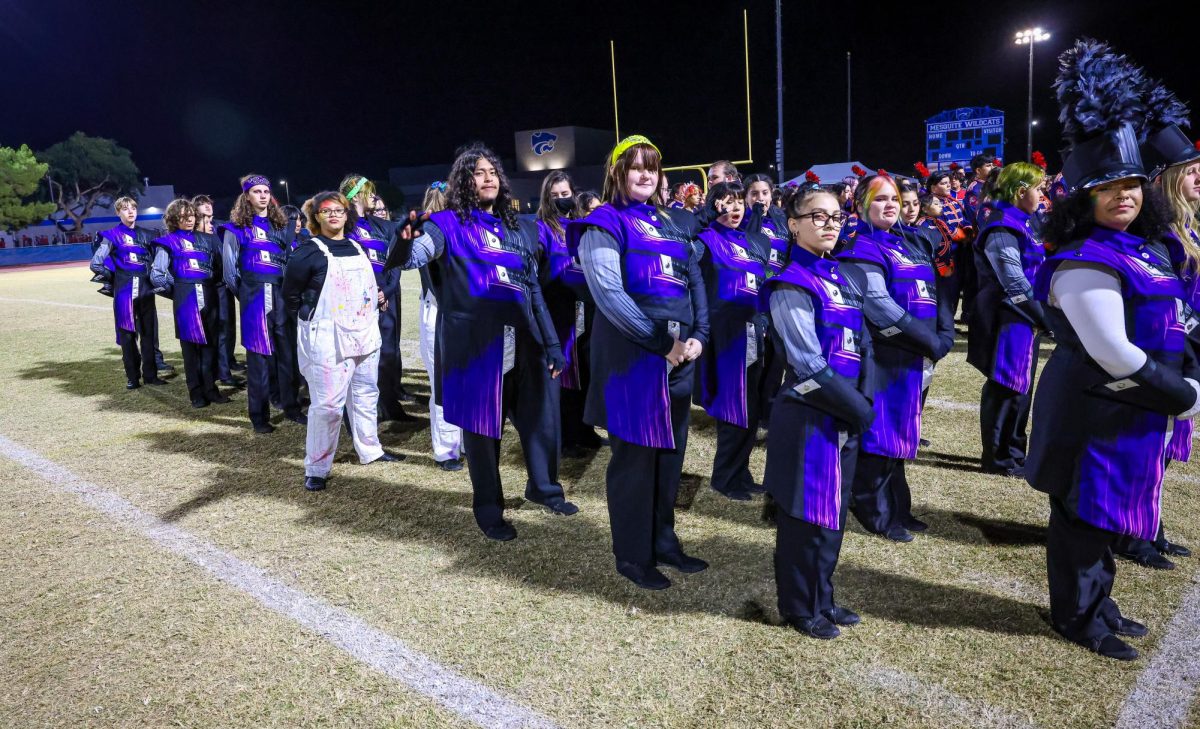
(1100, 111)
(1163, 142)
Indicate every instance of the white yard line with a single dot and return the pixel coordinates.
(926, 696)
(466, 698)
(1167, 685)
(952, 405)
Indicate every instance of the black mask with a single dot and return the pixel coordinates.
(564, 204)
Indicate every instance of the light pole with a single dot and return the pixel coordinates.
(1029, 37)
(286, 191)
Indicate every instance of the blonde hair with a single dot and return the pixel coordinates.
(122, 202)
(366, 190)
(1183, 213)
(435, 200)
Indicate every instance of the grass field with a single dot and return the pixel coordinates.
(102, 626)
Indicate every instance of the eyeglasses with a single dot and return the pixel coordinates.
(332, 212)
(822, 219)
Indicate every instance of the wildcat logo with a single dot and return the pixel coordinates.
(542, 142)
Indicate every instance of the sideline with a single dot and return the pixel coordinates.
(469, 700)
(1167, 685)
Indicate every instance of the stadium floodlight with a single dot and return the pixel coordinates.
(1030, 37)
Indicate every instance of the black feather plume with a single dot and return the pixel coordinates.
(1163, 108)
(1097, 90)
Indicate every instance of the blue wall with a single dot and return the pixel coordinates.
(45, 254)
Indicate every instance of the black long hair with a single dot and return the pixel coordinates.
(547, 212)
(461, 196)
(1074, 216)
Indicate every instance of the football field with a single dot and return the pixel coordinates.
(163, 566)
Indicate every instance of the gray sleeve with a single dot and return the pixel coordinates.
(792, 314)
(230, 252)
(600, 258)
(1004, 254)
(879, 306)
(160, 270)
(427, 248)
(97, 264)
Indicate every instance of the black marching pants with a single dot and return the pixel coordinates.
(530, 401)
(137, 347)
(226, 332)
(275, 377)
(641, 485)
(1081, 569)
(1003, 426)
(389, 363)
(731, 465)
(880, 497)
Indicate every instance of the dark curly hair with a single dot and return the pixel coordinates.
(461, 196)
(1073, 217)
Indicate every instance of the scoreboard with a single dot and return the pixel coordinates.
(958, 135)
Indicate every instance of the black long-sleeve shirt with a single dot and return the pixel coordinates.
(304, 274)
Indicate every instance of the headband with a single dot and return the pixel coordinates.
(357, 187)
(626, 143)
(253, 180)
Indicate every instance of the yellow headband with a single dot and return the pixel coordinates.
(628, 142)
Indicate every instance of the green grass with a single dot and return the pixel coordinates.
(91, 616)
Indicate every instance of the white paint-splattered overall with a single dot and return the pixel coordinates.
(338, 352)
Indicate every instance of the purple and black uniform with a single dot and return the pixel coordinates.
(187, 265)
(734, 266)
(125, 254)
(1003, 334)
(1098, 446)
(253, 258)
(643, 272)
(901, 307)
(573, 312)
(772, 222)
(817, 310)
(495, 340)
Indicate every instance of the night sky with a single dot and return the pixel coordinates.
(204, 92)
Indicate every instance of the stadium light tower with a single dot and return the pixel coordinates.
(1029, 37)
(287, 191)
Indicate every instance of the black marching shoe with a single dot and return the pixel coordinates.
(684, 563)
(1110, 646)
(233, 382)
(404, 395)
(200, 403)
(216, 397)
(1127, 627)
(264, 429)
(562, 507)
(450, 464)
(236, 366)
(389, 458)
(735, 494)
(1149, 558)
(299, 418)
(913, 524)
(645, 578)
(575, 451)
(924, 443)
(898, 534)
(132, 384)
(818, 627)
(502, 532)
(1172, 549)
(165, 369)
(314, 483)
(839, 615)
(157, 381)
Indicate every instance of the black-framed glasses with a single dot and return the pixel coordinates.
(332, 212)
(822, 219)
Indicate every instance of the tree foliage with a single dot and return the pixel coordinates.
(86, 172)
(20, 174)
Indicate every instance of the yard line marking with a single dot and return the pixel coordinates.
(470, 700)
(951, 405)
(922, 695)
(1167, 685)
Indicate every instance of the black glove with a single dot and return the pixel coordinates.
(913, 335)
(555, 359)
(832, 394)
(1153, 387)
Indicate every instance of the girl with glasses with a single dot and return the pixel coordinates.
(908, 336)
(817, 312)
(330, 289)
